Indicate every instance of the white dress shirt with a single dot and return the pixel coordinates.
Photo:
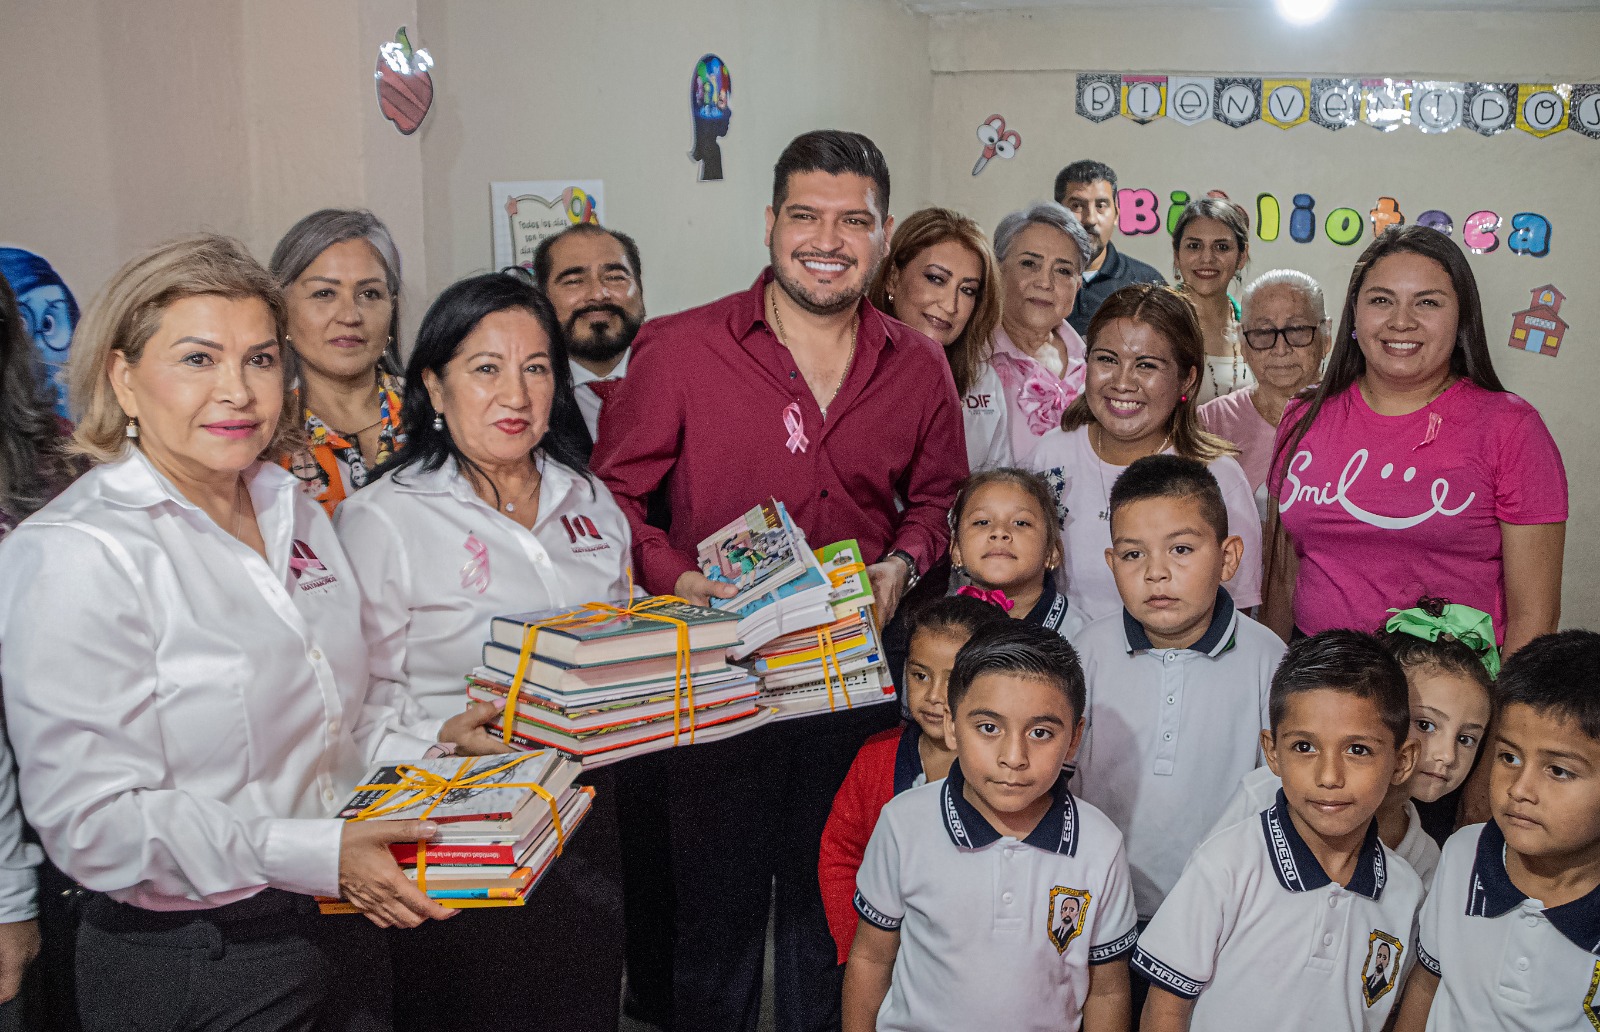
(588, 400)
(19, 860)
(436, 563)
(184, 711)
(986, 418)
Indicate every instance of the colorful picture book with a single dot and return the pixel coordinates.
(756, 553)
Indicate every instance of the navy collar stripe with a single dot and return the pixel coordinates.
(1298, 868)
(1056, 832)
(1050, 610)
(907, 758)
(1491, 893)
(1219, 636)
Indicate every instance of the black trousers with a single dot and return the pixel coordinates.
(647, 896)
(554, 963)
(747, 817)
(270, 963)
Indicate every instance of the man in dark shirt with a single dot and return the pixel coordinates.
(1088, 189)
(795, 388)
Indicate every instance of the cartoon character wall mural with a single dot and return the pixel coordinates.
(709, 96)
(49, 312)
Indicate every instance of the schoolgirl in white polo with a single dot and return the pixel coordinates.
(1301, 919)
(1509, 940)
(992, 898)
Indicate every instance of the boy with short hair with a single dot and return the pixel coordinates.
(1301, 919)
(1178, 681)
(1510, 935)
(993, 898)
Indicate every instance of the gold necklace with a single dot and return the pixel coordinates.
(783, 338)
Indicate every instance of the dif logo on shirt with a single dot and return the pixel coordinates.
(581, 531)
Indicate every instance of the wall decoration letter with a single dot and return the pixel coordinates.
(1478, 232)
(1530, 235)
(1386, 214)
(1542, 108)
(1144, 97)
(1438, 107)
(1386, 103)
(1237, 102)
(1335, 103)
(1584, 110)
(1344, 226)
(1491, 107)
(1138, 213)
(1303, 219)
(1268, 217)
(1286, 103)
(1189, 100)
(1433, 218)
(710, 96)
(1098, 95)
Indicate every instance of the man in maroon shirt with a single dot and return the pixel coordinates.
(795, 388)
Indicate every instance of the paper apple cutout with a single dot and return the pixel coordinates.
(405, 89)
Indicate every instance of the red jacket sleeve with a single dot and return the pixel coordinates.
(931, 481)
(867, 787)
(641, 434)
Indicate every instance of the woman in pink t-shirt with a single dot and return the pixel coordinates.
(1411, 471)
(1285, 340)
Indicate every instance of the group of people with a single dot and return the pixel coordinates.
(265, 554)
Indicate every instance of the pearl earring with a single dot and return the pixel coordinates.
(131, 431)
(438, 422)
(891, 299)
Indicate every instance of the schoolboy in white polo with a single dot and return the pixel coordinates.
(1510, 936)
(1301, 919)
(1178, 681)
(992, 899)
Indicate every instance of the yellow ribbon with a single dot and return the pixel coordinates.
(599, 612)
(831, 651)
(423, 785)
(844, 573)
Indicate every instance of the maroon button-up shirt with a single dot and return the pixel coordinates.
(701, 411)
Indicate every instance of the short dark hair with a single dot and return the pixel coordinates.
(541, 254)
(1085, 171)
(1172, 476)
(1019, 648)
(454, 314)
(837, 153)
(1557, 675)
(1348, 662)
(955, 614)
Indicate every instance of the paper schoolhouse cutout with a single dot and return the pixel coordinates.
(997, 140)
(1542, 108)
(1236, 101)
(1099, 94)
(1539, 328)
(1491, 107)
(1335, 103)
(1190, 99)
(1286, 103)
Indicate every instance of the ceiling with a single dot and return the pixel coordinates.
(1509, 6)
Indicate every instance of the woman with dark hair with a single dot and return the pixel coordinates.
(1210, 247)
(1145, 359)
(1411, 471)
(340, 275)
(490, 509)
(940, 278)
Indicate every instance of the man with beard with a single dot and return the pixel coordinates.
(591, 276)
(795, 388)
(1088, 189)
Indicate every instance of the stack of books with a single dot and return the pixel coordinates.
(497, 833)
(603, 687)
(807, 625)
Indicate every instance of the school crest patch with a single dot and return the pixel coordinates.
(1069, 912)
(1382, 966)
(1588, 1001)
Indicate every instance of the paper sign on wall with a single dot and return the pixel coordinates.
(1491, 107)
(1335, 103)
(1539, 328)
(1386, 103)
(1098, 95)
(1144, 97)
(1189, 99)
(1286, 102)
(525, 213)
(1542, 108)
(1437, 107)
(1237, 101)
(1583, 111)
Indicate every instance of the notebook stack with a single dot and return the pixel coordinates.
(602, 687)
(807, 626)
(498, 834)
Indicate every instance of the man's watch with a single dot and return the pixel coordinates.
(912, 576)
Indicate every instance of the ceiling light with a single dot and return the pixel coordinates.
(1303, 12)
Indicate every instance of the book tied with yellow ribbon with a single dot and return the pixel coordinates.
(502, 822)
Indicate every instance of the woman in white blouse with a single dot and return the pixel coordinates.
(185, 680)
(489, 510)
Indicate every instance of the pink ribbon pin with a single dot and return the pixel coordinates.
(475, 571)
(791, 422)
(1434, 422)
(994, 597)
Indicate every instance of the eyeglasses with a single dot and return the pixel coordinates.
(1266, 340)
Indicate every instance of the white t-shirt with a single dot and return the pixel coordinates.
(987, 421)
(1505, 963)
(994, 932)
(436, 563)
(1167, 729)
(1259, 788)
(1224, 374)
(1083, 484)
(1263, 941)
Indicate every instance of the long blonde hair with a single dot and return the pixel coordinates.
(916, 233)
(1170, 314)
(127, 313)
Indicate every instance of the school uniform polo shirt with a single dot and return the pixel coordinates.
(994, 932)
(1169, 732)
(1504, 961)
(1258, 935)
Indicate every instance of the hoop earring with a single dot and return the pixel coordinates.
(131, 431)
(438, 422)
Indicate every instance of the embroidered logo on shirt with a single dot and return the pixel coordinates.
(1069, 912)
(303, 561)
(475, 571)
(1588, 1001)
(1328, 494)
(1381, 966)
(980, 402)
(580, 532)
